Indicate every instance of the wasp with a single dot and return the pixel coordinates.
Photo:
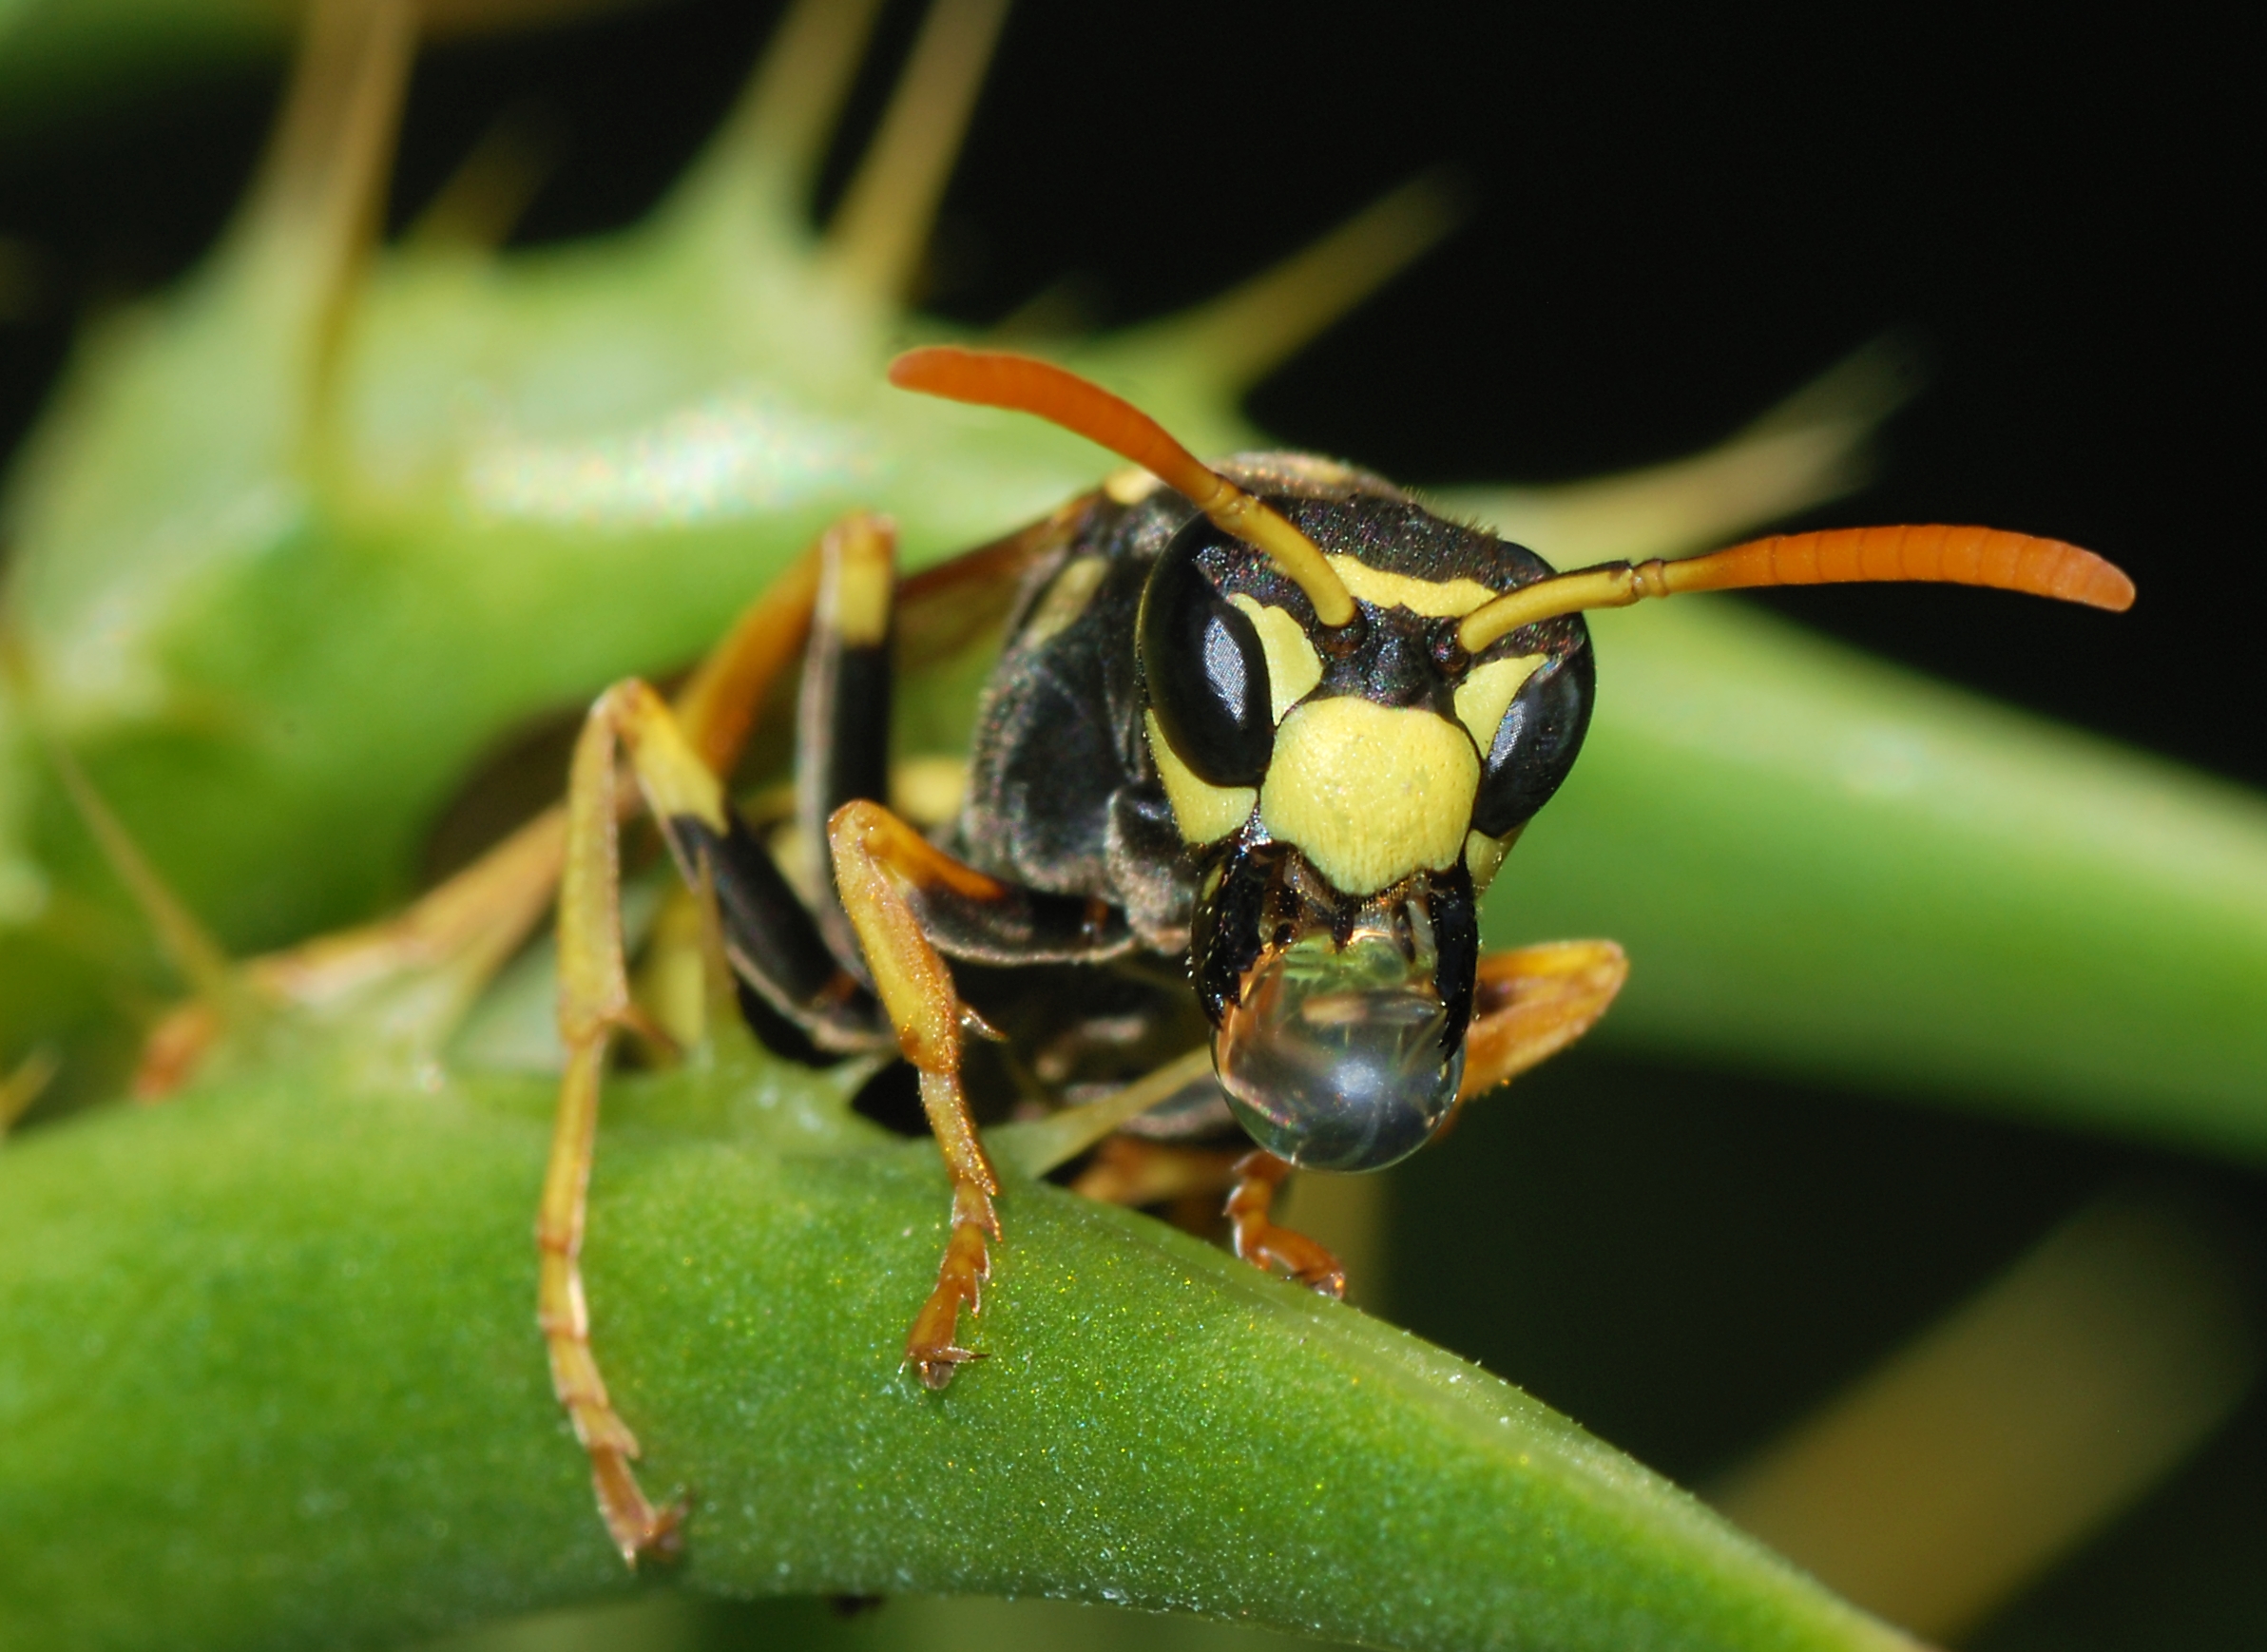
(1260, 735)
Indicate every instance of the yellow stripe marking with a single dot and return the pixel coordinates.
(1483, 856)
(1435, 598)
(1293, 666)
(1484, 695)
(864, 579)
(1206, 812)
(1130, 485)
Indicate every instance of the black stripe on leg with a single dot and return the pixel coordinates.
(842, 747)
(773, 942)
(1022, 925)
(847, 750)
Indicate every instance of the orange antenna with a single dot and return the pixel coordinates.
(995, 378)
(1960, 556)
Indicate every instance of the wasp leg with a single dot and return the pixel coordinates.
(1128, 1170)
(773, 944)
(1531, 1004)
(473, 921)
(1534, 1001)
(1186, 1181)
(594, 1003)
(842, 733)
(676, 757)
(874, 855)
(1260, 1242)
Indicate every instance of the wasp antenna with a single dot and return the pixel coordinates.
(203, 965)
(1934, 553)
(480, 205)
(1240, 337)
(996, 378)
(883, 227)
(770, 145)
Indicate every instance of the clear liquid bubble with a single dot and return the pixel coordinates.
(1331, 1059)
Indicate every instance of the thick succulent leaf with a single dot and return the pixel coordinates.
(1834, 867)
(270, 1352)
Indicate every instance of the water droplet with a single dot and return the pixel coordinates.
(1331, 1059)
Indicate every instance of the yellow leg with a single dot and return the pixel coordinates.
(594, 1003)
(1534, 1001)
(875, 851)
(476, 919)
(676, 762)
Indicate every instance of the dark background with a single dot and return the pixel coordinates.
(1681, 214)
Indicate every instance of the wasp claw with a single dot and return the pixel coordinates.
(935, 1366)
(1330, 1282)
(972, 1023)
(663, 1547)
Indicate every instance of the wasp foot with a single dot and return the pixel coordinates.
(930, 1346)
(1262, 1243)
(647, 1537)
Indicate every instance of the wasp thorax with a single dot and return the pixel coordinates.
(1341, 1057)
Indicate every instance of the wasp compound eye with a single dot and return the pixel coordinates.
(1535, 744)
(1206, 672)
(1337, 1058)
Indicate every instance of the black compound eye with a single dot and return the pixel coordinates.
(1536, 744)
(1206, 672)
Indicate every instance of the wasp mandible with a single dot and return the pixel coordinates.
(1268, 728)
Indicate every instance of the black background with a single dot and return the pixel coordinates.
(1681, 214)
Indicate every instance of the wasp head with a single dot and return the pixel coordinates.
(1354, 707)
(1347, 790)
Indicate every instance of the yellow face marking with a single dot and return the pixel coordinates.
(1484, 696)
(1370, 793)
(1435, 598)
(1206, 812)
(1483, 854)
(1293, 666)
(1064, 599)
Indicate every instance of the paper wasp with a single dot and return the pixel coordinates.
(1268, 728)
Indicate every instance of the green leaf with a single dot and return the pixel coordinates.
(270, 1354)
(1825, 865)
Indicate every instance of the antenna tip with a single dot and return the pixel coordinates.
(2108, 586)
(905, 369)
(930, 368)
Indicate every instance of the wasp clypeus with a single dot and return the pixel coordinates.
(1266, 729)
